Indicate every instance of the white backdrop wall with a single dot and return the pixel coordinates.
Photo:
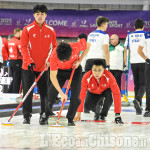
(78, 5)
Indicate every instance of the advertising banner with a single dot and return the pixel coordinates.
(70, 23)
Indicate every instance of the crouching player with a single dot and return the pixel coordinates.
(63, 59)
(97, 87)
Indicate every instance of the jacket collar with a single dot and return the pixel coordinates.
(100, 77)
(117, 44)
(35, 23)
(16, 37)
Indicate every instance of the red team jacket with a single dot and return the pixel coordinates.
(14, 48)
(36, 44)
(107, 80)
(55, 63)
(5, 52)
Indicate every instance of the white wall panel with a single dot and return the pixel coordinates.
(29, 5)
(114, 2)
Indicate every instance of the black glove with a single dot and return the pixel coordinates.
(108, 67)
(118, 119)
(1, 65)
(30, 66)
(147, 61)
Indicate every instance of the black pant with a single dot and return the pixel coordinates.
(15, 68)
(28, 79)
(147, 75)
(62, 76)
(91, 101)
(89, 64)
(1, 65)
(138, 71)
(117, 74)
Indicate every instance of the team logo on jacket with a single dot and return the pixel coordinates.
(74, 56)
(34, 35)
(104, 85)
(47, 36)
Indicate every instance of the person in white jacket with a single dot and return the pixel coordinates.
(1, 57)
(116, 49)
(99, 41)
(137, 63)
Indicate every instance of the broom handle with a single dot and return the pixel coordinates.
(127, 72)
(24, 98)
(20, 88)
(68, 86)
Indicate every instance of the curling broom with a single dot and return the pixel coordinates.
(68, 86)
(24, 98)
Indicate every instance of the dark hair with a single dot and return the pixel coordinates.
(40, 8)
(10, 36)
(101, 20)
(139, 24)
(64, 51)
(98, 62)
(82, 35)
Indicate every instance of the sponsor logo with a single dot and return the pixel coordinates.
(93, 25)
(27, 21)
(115, 24)
(5, 21)
(18, 23)
(74, 24)
(146, 24)
(83, 23)
(56, 22)
(128, 25)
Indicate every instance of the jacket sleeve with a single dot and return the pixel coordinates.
(54, 41)
(19, 46)
(116, 93)
(24, 47)
(53, 61)
(53, 45)
(84, 88)
(1, 43)
(83, 44)
(7, 51)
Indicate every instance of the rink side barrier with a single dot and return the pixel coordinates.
(7, 110)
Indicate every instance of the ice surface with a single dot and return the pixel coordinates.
(85, 135)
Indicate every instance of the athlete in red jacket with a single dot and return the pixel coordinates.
(14, 45)
(61, 63)
(37, 41)
(5, 52)
(99, 85)
(15, 61)
(1, 57)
